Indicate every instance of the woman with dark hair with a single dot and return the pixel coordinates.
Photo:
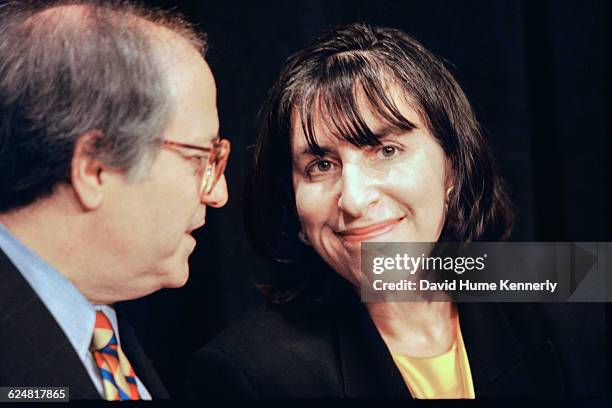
(367, 137)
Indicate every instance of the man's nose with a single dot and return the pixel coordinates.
(218, 196)
(358, 192)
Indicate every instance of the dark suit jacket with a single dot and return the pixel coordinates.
(35, 352)
(293, 351)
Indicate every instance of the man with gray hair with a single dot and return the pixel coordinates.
(109, 156)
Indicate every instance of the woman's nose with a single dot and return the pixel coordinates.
(218, 196)
(358, 192)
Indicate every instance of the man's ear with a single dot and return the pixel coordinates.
(86, 170)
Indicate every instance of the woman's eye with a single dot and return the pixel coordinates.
(324, 165)
(388, 151)
(320, 167)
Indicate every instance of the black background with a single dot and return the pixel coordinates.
(534, 71)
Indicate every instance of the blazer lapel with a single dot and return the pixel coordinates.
(138, 359)
(367, 366)
(509, 356)
(34, 349)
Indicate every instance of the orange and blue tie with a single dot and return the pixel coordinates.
(118, 377)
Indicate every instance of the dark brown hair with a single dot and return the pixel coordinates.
(325, 77)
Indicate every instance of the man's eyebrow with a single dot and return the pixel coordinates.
(215, 137)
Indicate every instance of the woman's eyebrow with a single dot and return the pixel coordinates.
(389, 130)
(314, 150)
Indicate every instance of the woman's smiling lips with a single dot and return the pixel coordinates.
(370, 231)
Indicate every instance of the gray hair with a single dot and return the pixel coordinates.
(65, 71)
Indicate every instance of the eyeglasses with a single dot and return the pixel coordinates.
(211, 164)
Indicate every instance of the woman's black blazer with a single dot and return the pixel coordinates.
(335, 351)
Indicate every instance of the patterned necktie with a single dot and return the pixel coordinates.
(117, 374)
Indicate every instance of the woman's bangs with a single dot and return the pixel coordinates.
(338, 99)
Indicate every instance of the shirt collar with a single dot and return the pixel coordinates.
(73, 312)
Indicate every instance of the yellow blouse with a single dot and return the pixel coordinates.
(445, 376)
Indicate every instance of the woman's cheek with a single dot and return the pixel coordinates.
(310, 204)
(418, 188)
(402, 185)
